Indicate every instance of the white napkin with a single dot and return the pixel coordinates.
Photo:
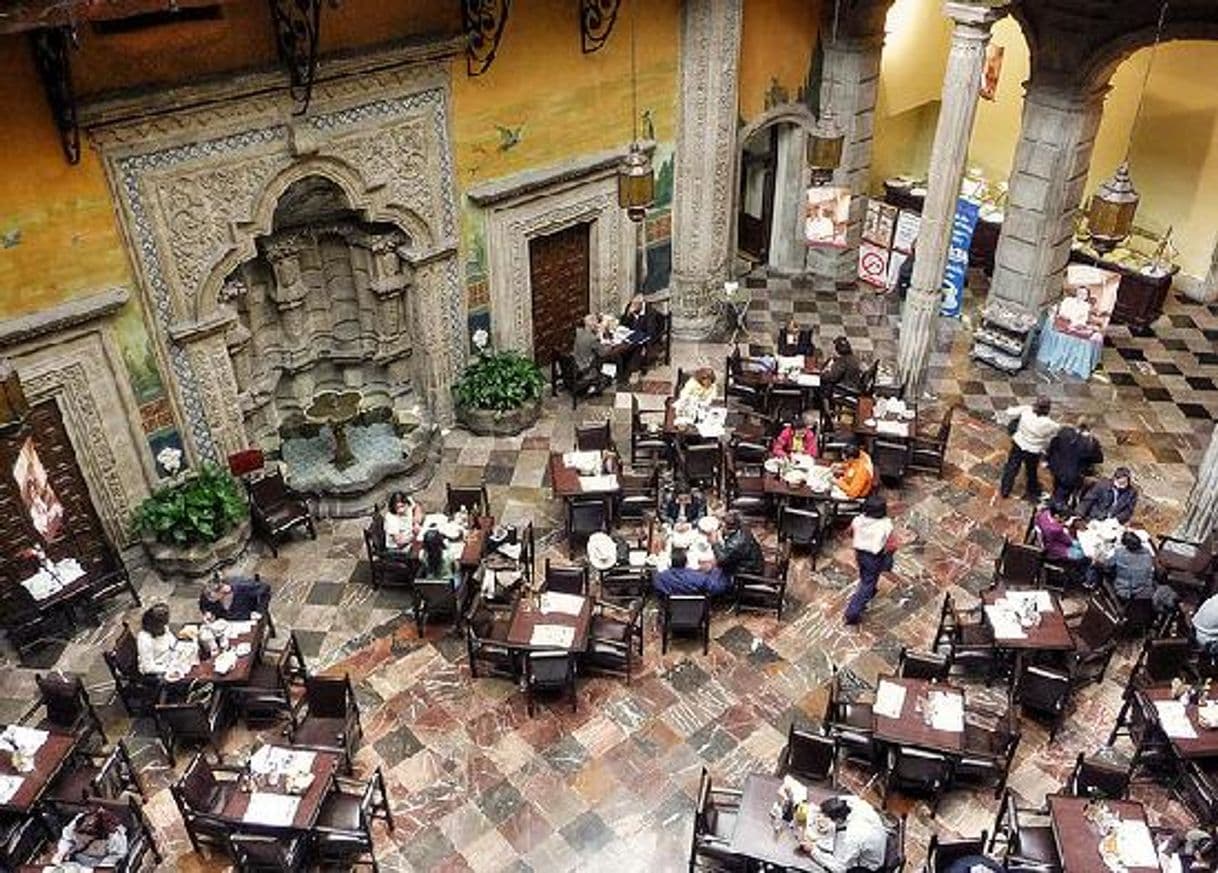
(267, 808)
(1004, 622)
(582, 460)
(810, 380)
(947, 711)
(1173, 717)
(28, 739)
(790, 362)
(9, 786)
(710, 430)
(589, 484)
(889, 699)
(556, 636)
(892, 428)
(1135, 846)
(562, 603)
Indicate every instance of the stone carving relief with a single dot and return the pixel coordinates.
(197, 186)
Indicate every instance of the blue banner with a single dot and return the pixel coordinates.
(963, 225)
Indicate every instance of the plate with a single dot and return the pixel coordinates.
(870, 422)
(708, 524)
(173, 675)
(772, 465)
(795, 477)
(243, 649)
(908, 415)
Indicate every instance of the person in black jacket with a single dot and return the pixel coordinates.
(737, 550)
(234, 599)
(1110, 498)
(1070, 455)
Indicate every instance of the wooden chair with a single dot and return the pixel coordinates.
(472, 499)
(1095, 639)
(621, 586)
(648, 444)
(744, 493)
(594, 437)
(919, 770)
(137, 692)
(931, 666)
(685, 614)
(1018, 565)
(195, 720)
(108, 579)
(28, 626)
(201, 794)
(760, 592)
(66, 708)
(812, 757)
(585, 516)
(327, 717)
(579, 385)
(715, 813)
(700, 463)
(1096, 776)
(267, 694)
(1045, 692)
(388, 567)
(549, 671)
(1024, 837)
(486, 632)
(941, 854)
(343, 834)
(928, 453)
(851, 722)
(891, 459)
(259, 853)
(566, 580)
(613, 637)
(436, 599)
(802, 528)
(276, 509)
(107, 775)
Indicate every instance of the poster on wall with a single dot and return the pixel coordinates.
(992, 71)
(41, 502)
(827, 217)
(905, 234)
(1088, 297)
(963, 225)
(879, 223)
(873, 264)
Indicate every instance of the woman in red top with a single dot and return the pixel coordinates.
(792, 440)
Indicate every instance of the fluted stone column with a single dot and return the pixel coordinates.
(706, 152)
(1048, 183)
(1201, 511)
(850, 83)
(788, 252)
(973, 23)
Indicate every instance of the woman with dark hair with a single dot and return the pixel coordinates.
(794, 340)
(843, 368)
(871, 534)
(154, 642)
(440, 557)
(1055, 537)
(796, 439)
(401, 521)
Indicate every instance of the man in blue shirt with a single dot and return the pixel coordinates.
(682, 579)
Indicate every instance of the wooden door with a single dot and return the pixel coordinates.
(558, 271)
(41, 445)
(755, 214)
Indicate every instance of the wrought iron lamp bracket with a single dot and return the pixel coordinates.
(484, 21)
(52, 48)
(596, 20)
(297, 34)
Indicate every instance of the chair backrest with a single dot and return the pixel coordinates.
(567, 371)
(587, 515)
(187, 720)
(593, 437)
(64, 697)
(567, 580)
(945, 426)
(889, 458)
(1166, 659)
(328, 696)
(686, 611)
(1019, 564)
(702, 460)
(23, 841)
(867, 380)
(269, 491)
(471, 498)
(800, 526)
(923, 665)
(123, 657)
(810, 755)
(260, 852)
(1042, 689)
(1094, 778)
(919, 766)
(374, 537)
(941, 854)
(1097, 625)
(550, 668)
(1200, 792)
(116, 773)
(624, 584)
(197, 788)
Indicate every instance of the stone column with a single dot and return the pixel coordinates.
(970, 35)
(787, 249)
(706, 151)
(1048, 183)
(849, 83)
(1201, 511)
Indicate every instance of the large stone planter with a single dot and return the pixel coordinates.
(196, 561)
(486, 422)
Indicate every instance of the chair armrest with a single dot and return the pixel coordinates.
(25, 716)
(755, 579)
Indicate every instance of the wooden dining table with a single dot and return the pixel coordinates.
(527, 616)
(1078, 840)
(909, 727)
(754, 836)
(1051, 635)
(475, 542)
(325, 766)
(763, 378)
(671, 428)
(1205, 744)
(567, 482)
(869, 432)
(48, 761)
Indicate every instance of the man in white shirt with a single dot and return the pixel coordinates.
(1033, 432)
(861, 840)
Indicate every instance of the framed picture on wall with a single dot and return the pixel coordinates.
(879, 222)
(827, 216)
(992, 71)
(41, 502)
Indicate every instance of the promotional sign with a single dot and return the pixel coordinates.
(1088, 297)
(879, 223)
(963, 225)
(827, 217)
(873, 264)
(906, 232)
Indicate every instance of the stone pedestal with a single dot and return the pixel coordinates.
(961, 83)
(1048, 183)
(706, 150)
(849, 84)
(1201, 511)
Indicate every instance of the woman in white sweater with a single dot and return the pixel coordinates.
(870, 532)
(154, 642)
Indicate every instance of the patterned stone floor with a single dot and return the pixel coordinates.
(478, 785)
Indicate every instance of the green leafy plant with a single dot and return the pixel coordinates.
(499, 381)
(199, 509)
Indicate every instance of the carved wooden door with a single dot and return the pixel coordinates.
(755, 215)
(558, 271)
(44, 500)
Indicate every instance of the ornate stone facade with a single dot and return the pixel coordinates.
(198, 186)
(706, 151)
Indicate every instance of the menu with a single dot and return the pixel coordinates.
(276, 810)
(553, 636)
(889, 699)
(9, 786)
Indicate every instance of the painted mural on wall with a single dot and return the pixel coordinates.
(156, 413)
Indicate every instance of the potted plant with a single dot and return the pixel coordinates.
(499, 392)
(195, 524)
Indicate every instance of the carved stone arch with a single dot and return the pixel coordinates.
(365, 200)
(796, 114)
(1103, 61)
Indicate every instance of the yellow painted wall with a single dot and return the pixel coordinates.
(777, 40)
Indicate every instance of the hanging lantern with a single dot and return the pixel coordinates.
(636, 183)
(825, 143)
(1110, 215)
(13, 405)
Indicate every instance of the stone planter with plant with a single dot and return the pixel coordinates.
(195, 524)
(499, 393)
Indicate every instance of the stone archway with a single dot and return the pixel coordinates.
(197, 186)
(792, 121)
